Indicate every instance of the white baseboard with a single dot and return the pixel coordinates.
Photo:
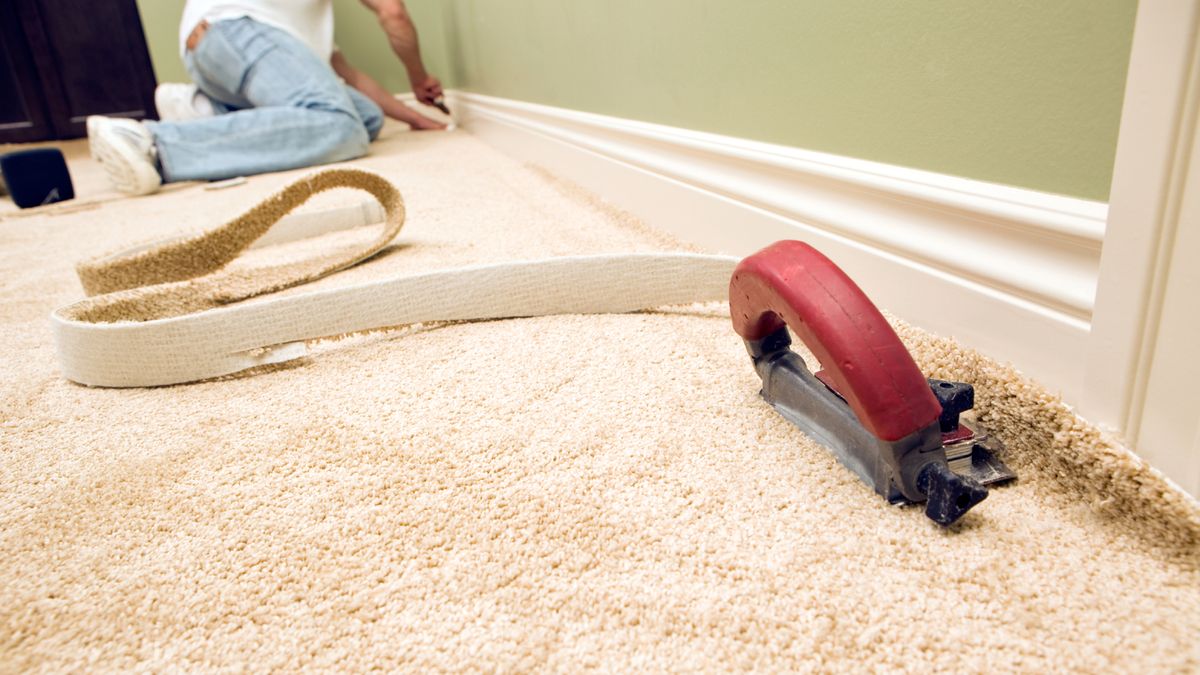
(1008, 271)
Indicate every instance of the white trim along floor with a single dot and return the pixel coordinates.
(1008, 271)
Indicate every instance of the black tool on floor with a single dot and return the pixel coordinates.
(37, 177)
(901, 433)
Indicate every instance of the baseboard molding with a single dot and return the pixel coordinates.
(1011, 272)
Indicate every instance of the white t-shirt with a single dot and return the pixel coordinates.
(310, 21)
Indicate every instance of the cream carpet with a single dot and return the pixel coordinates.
(562, 493)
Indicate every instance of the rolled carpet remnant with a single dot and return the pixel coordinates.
(562, 492)
(164, 312)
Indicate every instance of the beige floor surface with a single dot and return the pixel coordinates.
(560, 493)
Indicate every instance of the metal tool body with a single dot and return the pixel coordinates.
(871, 405)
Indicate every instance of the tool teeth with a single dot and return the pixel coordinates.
(948, 496)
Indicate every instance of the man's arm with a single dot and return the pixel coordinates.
(402, 35)
(391, 106)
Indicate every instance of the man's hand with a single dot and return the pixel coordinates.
(390, 105)
(427, 89)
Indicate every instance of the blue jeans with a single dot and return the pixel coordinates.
(282, 108)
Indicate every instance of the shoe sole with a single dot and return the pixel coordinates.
(129, 172)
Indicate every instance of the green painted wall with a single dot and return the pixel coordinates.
(1022, 92)
(160, 21)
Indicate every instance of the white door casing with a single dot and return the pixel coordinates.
(1140, 373)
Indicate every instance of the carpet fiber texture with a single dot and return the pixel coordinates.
(559, 493)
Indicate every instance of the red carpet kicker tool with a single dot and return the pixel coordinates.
(871, 406)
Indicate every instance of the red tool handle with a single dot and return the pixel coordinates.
(790, 282)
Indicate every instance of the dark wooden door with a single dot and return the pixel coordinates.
(23, 114)
(67, 59)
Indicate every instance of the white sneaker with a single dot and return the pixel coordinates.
(125, 148)
(93, 122)
(178, 102)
